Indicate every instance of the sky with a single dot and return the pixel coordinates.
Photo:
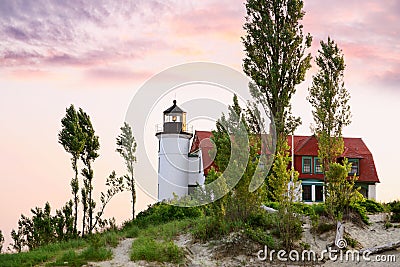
(97, 54)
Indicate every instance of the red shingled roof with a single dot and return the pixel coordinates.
(353, 148)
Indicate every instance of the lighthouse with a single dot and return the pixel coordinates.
(173, 154)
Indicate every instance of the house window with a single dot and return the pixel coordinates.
(306, 193)
(319, 193)
(307, 164)
(354, 167)
(317, 165)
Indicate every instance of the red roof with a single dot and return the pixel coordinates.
(354, 148)
(201, 140)
(304, 146)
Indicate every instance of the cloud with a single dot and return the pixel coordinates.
(217, 17)
(76, 32)
(117, 74)
(367, 31)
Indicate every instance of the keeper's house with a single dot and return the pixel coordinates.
(306, 162)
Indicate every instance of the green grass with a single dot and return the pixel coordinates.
(167, 231)
(94, 248)
(73, 258)
(154, 243)
(146, 248)
(40, 255)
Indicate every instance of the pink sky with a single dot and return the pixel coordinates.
(96, 54)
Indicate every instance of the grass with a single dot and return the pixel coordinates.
(73, 258)
(94, 248)
(162, 249)
(40, 255)
(146, 248)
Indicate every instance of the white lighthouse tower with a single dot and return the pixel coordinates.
(173, 152)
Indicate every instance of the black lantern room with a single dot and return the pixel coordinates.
(174, 120)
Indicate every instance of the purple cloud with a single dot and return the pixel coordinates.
(76, 32)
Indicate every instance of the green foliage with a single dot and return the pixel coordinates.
(233, 138)
(324, 227)
(40, 255)
(73, 258)
(283, 181)
(259, 228)
(167, 231)
(341, 192)
(114, 185)
(275, 56)
(351, 242)
(106, 239)
(146, 248)
(43, 228)
(1, 241)
(329, 99)
(360, 210)
(266, 221)
(132, 231)
(395, 209)
(371, 205)
(289, 226)
(284, 189)
(126, 147)
(260, 236)
(272, 204)
(161, 212)
(72, 138)
(207, 228)
(88, 156)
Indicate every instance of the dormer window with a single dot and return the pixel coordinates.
(355, 164)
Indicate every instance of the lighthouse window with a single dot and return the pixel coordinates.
(173, 118)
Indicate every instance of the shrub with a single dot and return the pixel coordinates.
(132, 231)
(361, 211)
(395, 209)
(96, 254)
(371, 205)
(162, 212)
(260, 236)
(146, 248)
(324, 227)
(209, 228)
(263, 220)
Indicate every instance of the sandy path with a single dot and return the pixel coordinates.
(121, 256)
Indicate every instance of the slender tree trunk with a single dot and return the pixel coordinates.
(83, 222)
(90, 199)
(133, 192)
(75, 192)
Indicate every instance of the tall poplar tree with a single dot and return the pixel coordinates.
(329, 99)
(89, 154)
(72, 138)
(126, 147)
(275, 59)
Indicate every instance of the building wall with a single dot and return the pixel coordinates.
(173, 165)
(372, 191)
(196, 170)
